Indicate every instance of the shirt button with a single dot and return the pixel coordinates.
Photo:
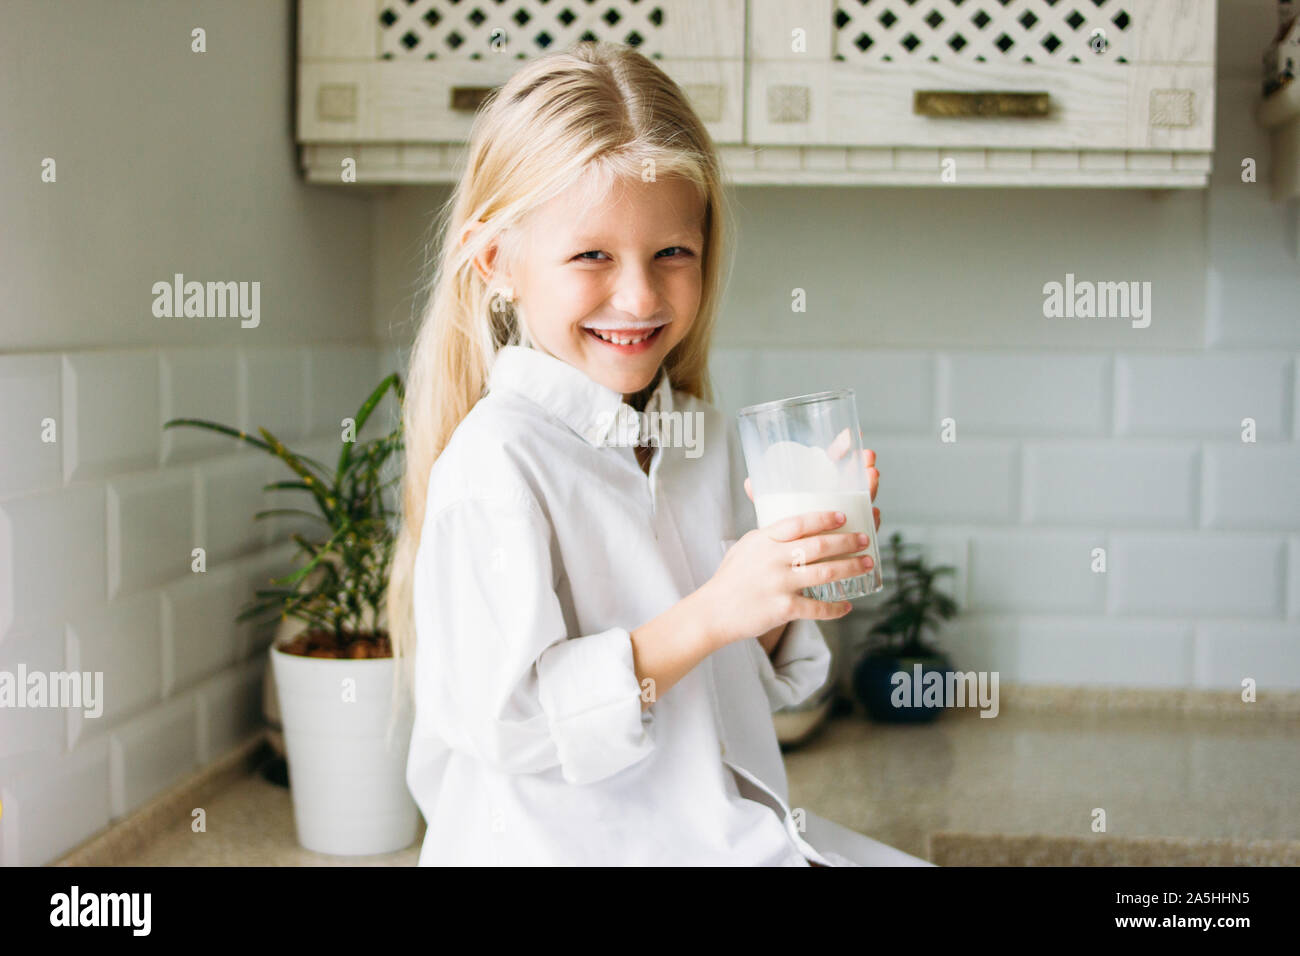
(722, 748)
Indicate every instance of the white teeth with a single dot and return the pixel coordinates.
(618, 340)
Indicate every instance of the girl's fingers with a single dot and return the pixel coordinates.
(875, 512)
(873, 474)
(749, 489)
(801, 526)
(840, 446)
(806, 607)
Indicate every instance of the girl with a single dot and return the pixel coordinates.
(593, 669)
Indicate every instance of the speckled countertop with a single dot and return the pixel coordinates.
(1190, 777)
(1020, 788)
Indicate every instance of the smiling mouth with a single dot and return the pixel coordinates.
(625, 341)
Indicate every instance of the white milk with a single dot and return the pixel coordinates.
(856, 506)
(857, 518)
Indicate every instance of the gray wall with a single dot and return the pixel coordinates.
(167, 161)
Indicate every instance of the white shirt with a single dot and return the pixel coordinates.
(544, 544)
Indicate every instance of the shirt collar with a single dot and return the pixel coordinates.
(566, 392)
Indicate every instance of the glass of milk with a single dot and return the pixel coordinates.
(805, 454)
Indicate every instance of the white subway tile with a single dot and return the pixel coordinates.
(982, 642)
(255, 573)
(52, 553)
(55, 806)
(1252, 485)
(199, 383)
(230, 495)
(339, 379)
(31, 394)
(110, 408)
(151, 752)
(123, 642)
(1075, 651)
(25, 652)
(1111, 483)
(1196, 573)
(275, 387)
(894, 391)
(1041, 571)
(151, 529)
(951, 549)
(1227, 652)
(1037, 393)
(230, 709)
(1251, 308)
(200, 635)
(1205, 395)
(925, 480)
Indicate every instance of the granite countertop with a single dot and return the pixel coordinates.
(1196, 779)
(1019, 788)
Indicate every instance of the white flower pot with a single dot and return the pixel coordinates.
(346, 750)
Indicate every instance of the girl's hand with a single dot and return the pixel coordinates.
(757, 587)
(837, 450)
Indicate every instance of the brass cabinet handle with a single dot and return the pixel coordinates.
(951, 103)
(467, 99)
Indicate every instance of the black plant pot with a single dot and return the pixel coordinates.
(873, 682)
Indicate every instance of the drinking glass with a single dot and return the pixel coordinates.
(805, 454)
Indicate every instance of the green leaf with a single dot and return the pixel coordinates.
(323, 494)
(223, 429)
(362, 416)
(273, 512)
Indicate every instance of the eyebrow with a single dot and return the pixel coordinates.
(696, 235)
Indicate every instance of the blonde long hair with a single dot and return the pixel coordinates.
(596, 108)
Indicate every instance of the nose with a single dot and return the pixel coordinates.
(636, 294)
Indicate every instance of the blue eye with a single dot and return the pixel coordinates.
(596, 252)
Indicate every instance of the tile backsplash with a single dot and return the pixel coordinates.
(100, 511)
(1060, 454)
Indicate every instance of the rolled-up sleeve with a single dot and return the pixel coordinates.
(801, 661)
(497, 675)
(798, 666)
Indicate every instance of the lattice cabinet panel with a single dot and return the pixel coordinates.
(982, 74)
(415, 71)
(466, 30)
(1007, 92)
(1085, 32)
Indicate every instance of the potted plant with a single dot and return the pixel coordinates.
(345, 739)
(911, 607)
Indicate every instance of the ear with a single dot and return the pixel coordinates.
(485, 261)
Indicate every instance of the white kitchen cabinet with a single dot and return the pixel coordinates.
(394, 84)
(1014, 92)
(794, 91)
(1280, 113)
